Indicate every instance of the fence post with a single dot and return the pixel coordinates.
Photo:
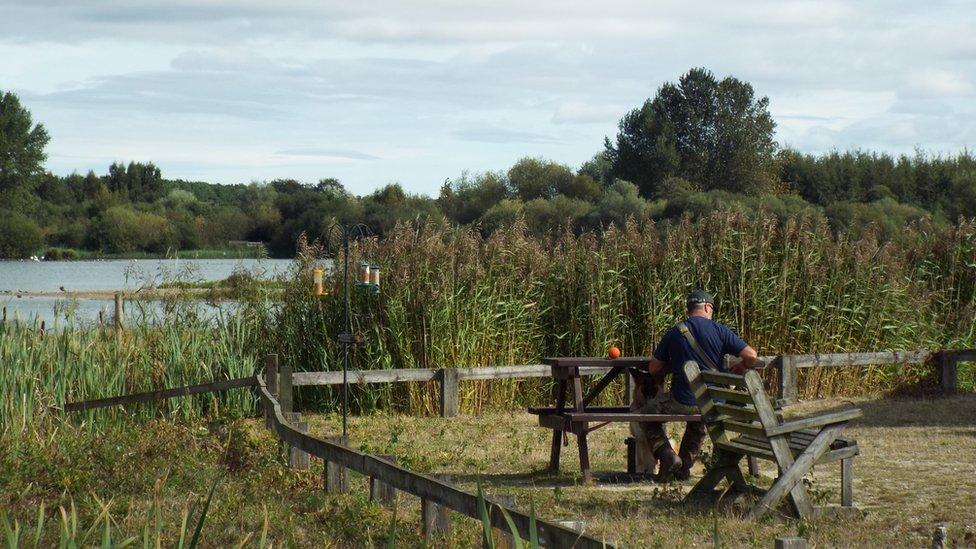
(505, 539)
(379, 490)
(297, 458)
(948, 371)
(435, 519)
(790, 543)
(449, 392)
(271, 382)
(118, 313)
(336, 476)
(285, 387)
(787, 378)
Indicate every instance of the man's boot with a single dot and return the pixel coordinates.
(668, 462)
(690, 449)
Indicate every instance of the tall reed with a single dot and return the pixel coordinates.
(454, 298)
(451, 297)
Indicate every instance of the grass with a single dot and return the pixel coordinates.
(915, 472)
(150, 479)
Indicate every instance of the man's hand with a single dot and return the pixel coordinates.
(750, 361)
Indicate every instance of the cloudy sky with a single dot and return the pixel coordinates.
(419, 91)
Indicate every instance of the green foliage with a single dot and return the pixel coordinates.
(19, 236)
(21, 144)
(120, 230)
(714, 132)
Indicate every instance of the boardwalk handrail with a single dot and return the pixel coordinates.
(422, 486)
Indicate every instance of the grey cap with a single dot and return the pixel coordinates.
(699, 297)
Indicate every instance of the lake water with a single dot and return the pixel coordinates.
(17, 277)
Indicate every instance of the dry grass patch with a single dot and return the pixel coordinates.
(917, 470)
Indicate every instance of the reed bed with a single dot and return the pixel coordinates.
(42, 371)
(452, 297)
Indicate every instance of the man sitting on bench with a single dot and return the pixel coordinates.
(701, 339)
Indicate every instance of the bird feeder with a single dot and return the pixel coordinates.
(318, 289)
(374, 277)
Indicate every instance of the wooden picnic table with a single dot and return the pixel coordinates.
(576, 418)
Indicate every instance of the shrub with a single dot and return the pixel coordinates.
(61, 254)
(19, 237)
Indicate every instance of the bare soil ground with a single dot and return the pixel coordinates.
(917, 471)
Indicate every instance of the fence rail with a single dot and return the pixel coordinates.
(430, 490)
(786, 366)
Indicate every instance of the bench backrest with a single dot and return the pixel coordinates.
(730, 402)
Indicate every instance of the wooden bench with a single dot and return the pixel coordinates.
(741, 421)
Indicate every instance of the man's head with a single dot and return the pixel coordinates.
(700, 303)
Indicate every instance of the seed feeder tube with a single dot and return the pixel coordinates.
(317, 287)
(374, 276)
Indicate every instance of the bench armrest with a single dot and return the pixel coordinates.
(829, 418)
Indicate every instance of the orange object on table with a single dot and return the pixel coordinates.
(613, 352)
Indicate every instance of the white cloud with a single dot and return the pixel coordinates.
(939, 82)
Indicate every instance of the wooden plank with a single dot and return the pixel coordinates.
(271, 381)
(606, 380)
(584, 450)
(435, 520)
(551, 535)
(629, 417)
(298, 459)
(741, 412)
(336, 476)
(721, 377)
(965, 355)
(790, 543)
(693, 375)
(550, 410)
(779, 445)
(743, 427)
(787, 374)
(841, 416)
(792, 476)
(365, 376)
(161, 394)
(503, 372)
(449, 392)
(948, 371)
(729, 394)
(861, 359)
(285, 387)
(554, 450)
(847, 482)
(380, 491)
(584, 361)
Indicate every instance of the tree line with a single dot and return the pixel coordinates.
(702, 144)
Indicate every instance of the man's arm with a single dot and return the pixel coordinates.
(656, 367)
(750, 360)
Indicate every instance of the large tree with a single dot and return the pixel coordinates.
(715, 133)
(21, 144)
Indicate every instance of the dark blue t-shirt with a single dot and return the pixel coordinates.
(715, 340)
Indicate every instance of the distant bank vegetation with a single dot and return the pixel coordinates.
(702, 144)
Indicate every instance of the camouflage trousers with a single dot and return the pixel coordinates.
(657, 435)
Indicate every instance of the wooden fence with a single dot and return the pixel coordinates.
(437, 496)
(386, 477)
(786, 366)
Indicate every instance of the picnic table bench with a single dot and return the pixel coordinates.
(576, 417)
(741, 422)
